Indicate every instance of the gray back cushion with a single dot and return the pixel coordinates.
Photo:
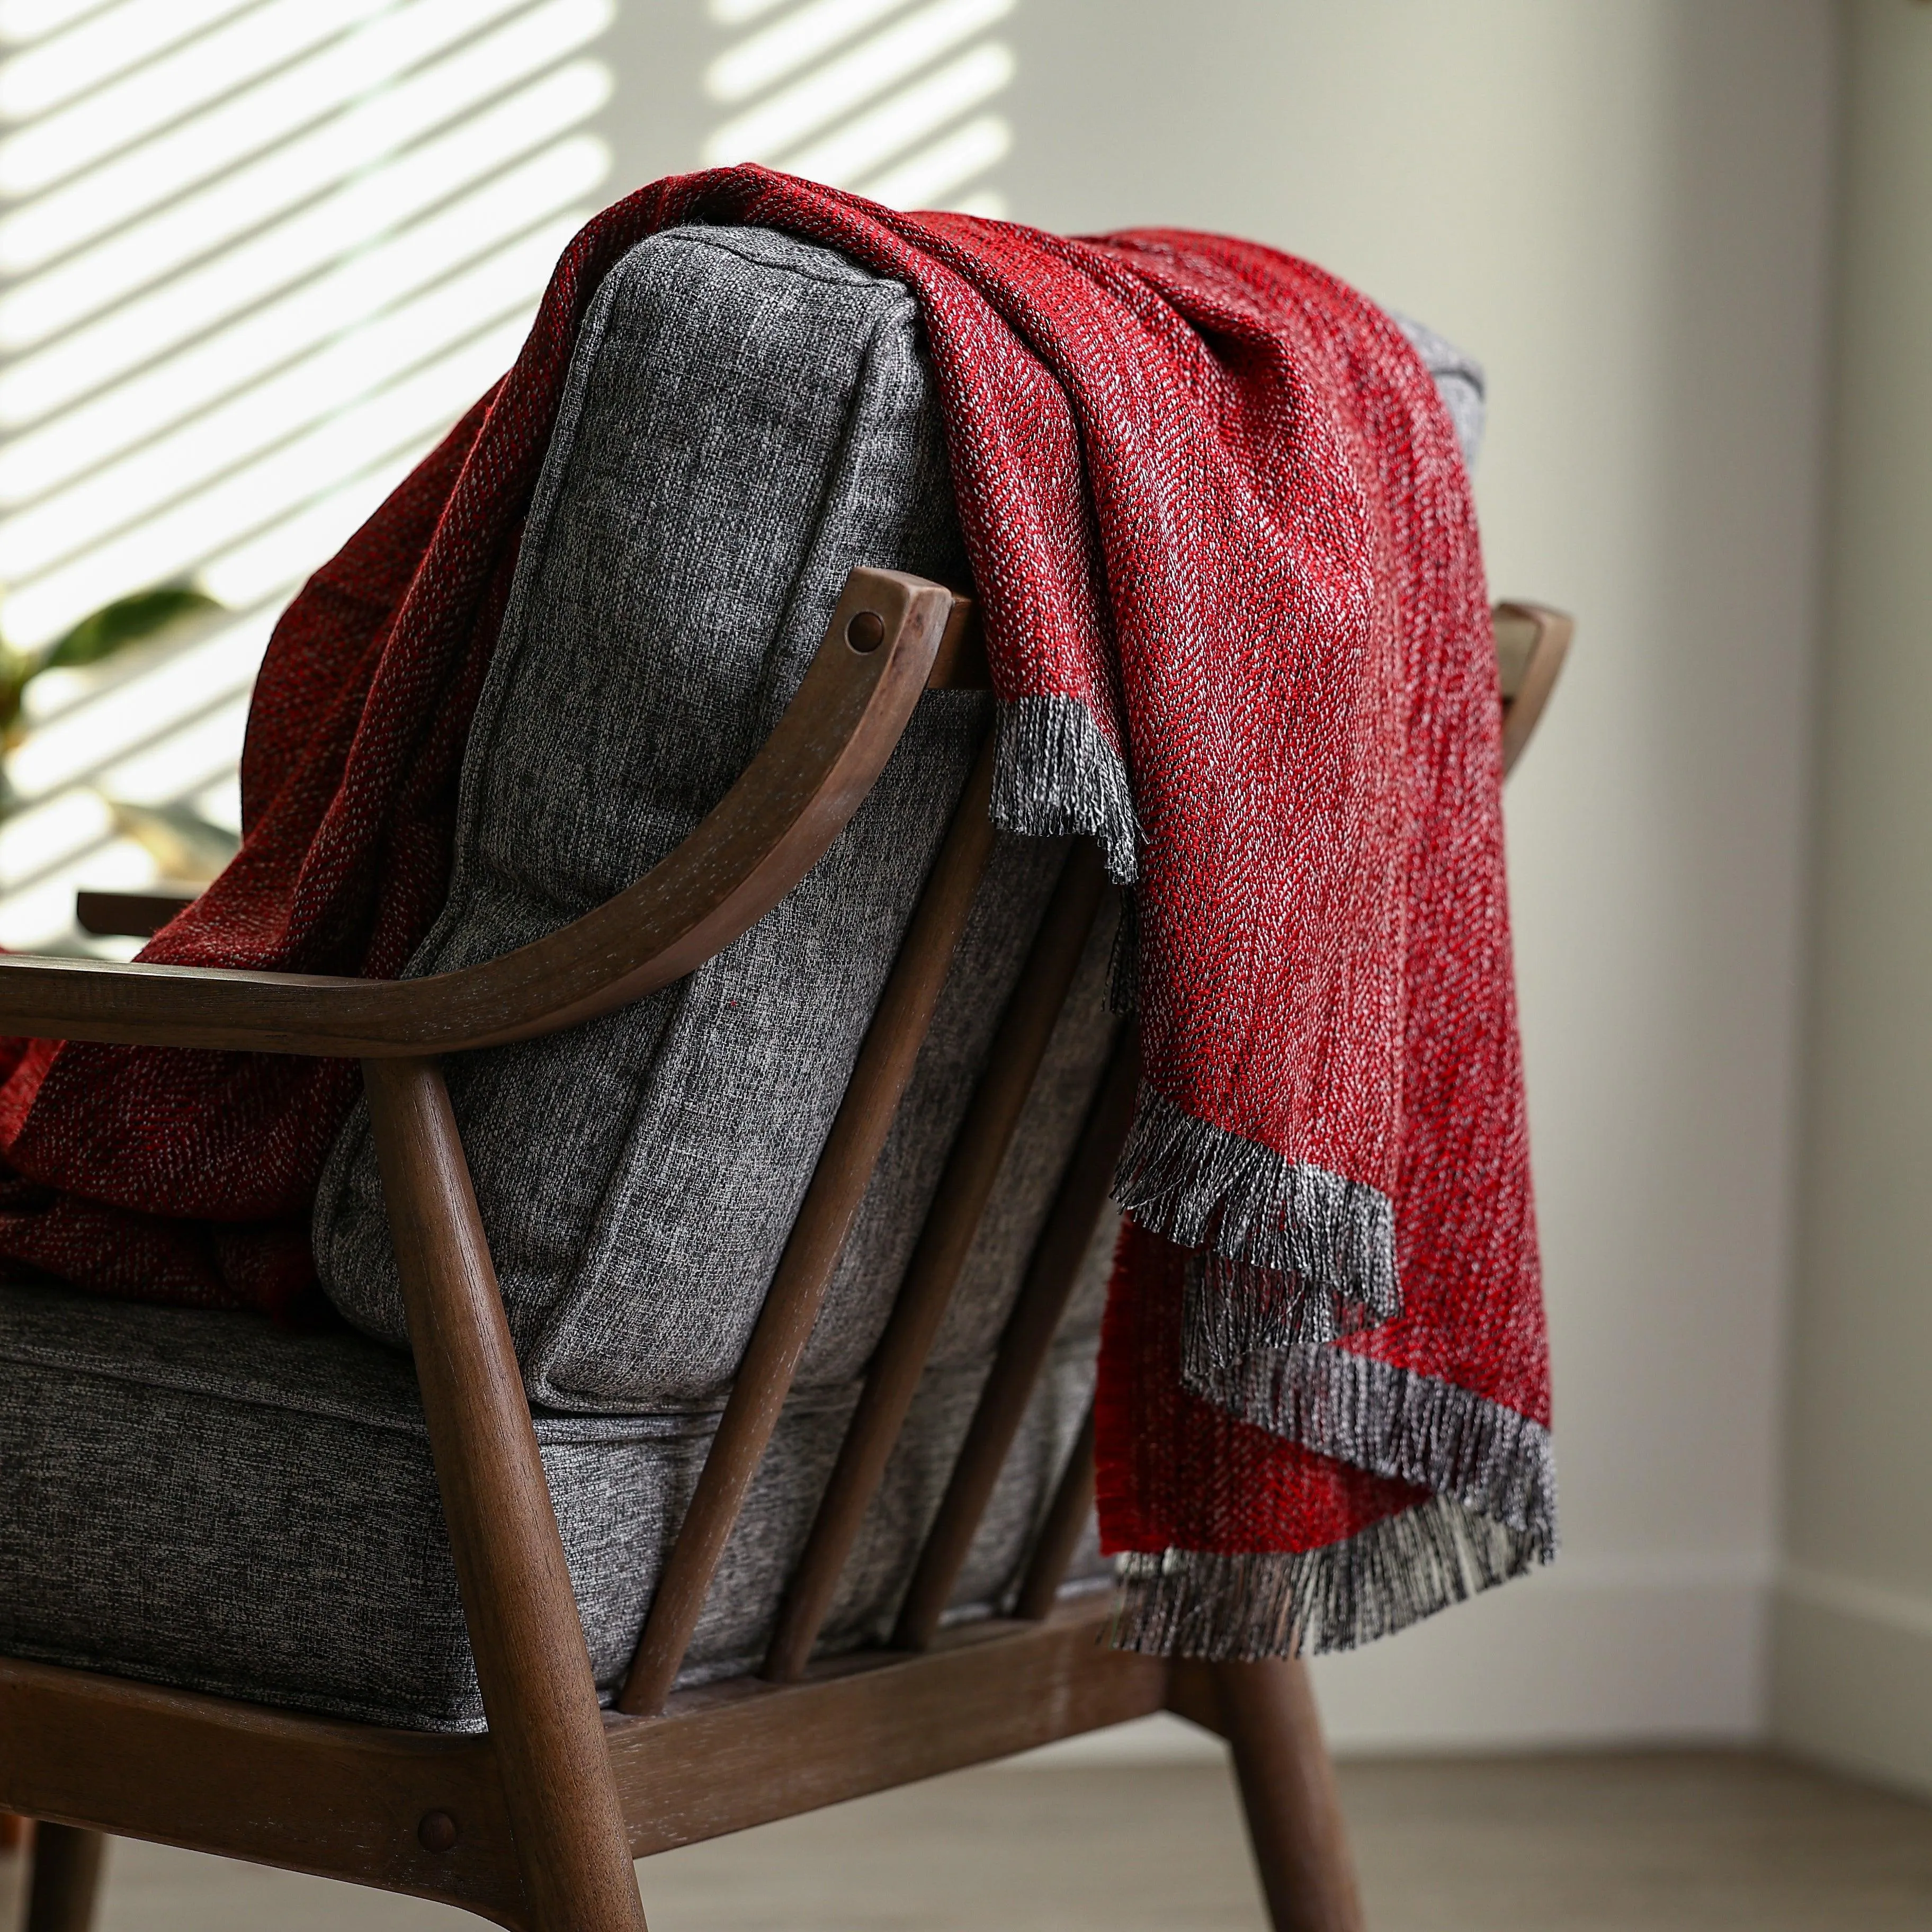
(748, 417)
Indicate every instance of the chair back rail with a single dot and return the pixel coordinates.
(732, 1754)
(959, 664)
(351, 1800)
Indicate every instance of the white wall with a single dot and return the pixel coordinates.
(1622, 206)
(1854, 1651)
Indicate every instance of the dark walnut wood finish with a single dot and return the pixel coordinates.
(965, 1186)
(139, 915)
(546, 1732)
(534, 1824)
(349, 1801)
(838, 1184)
(1023, 1346)
(67, 1875)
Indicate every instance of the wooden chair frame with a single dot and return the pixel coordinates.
(534, 1823)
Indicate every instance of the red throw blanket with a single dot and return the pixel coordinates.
(1234, 606)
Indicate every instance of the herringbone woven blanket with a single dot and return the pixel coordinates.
(1234, 606)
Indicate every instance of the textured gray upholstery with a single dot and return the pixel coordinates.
(748, 417)
(210, 1502)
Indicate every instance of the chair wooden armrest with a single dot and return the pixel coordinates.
(1531, 643)
(889, 637)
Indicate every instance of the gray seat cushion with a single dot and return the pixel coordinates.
(212, 1503)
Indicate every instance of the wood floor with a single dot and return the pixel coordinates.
(1689, 1843)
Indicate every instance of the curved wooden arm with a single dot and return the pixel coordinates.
(140, 912)
(1531, 641)
(769, 830)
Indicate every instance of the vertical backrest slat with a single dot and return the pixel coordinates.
(1060, 1534)
(838, 1184)
(1024, 1344)
(892, 1376)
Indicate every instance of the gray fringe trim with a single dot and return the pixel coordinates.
(1296, 1232)
(1395, 1423)
(1236, 1313)
(1055, 774)
(1194, 1603)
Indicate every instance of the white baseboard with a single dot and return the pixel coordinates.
(1673, 1651)
(1852, 1677)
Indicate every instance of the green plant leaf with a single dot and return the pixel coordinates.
(126, 621)
(15, 671)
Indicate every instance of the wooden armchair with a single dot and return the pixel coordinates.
(535, 1822)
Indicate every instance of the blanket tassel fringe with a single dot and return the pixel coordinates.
(1194, 1603)
(1298, 1253)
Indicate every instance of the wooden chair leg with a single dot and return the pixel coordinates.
(546, 1732)
(1268, 1716)
(66, 1875)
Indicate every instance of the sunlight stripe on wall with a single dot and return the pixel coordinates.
(255, 257)
(872, 95)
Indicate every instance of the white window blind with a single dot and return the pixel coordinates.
(255, 257)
